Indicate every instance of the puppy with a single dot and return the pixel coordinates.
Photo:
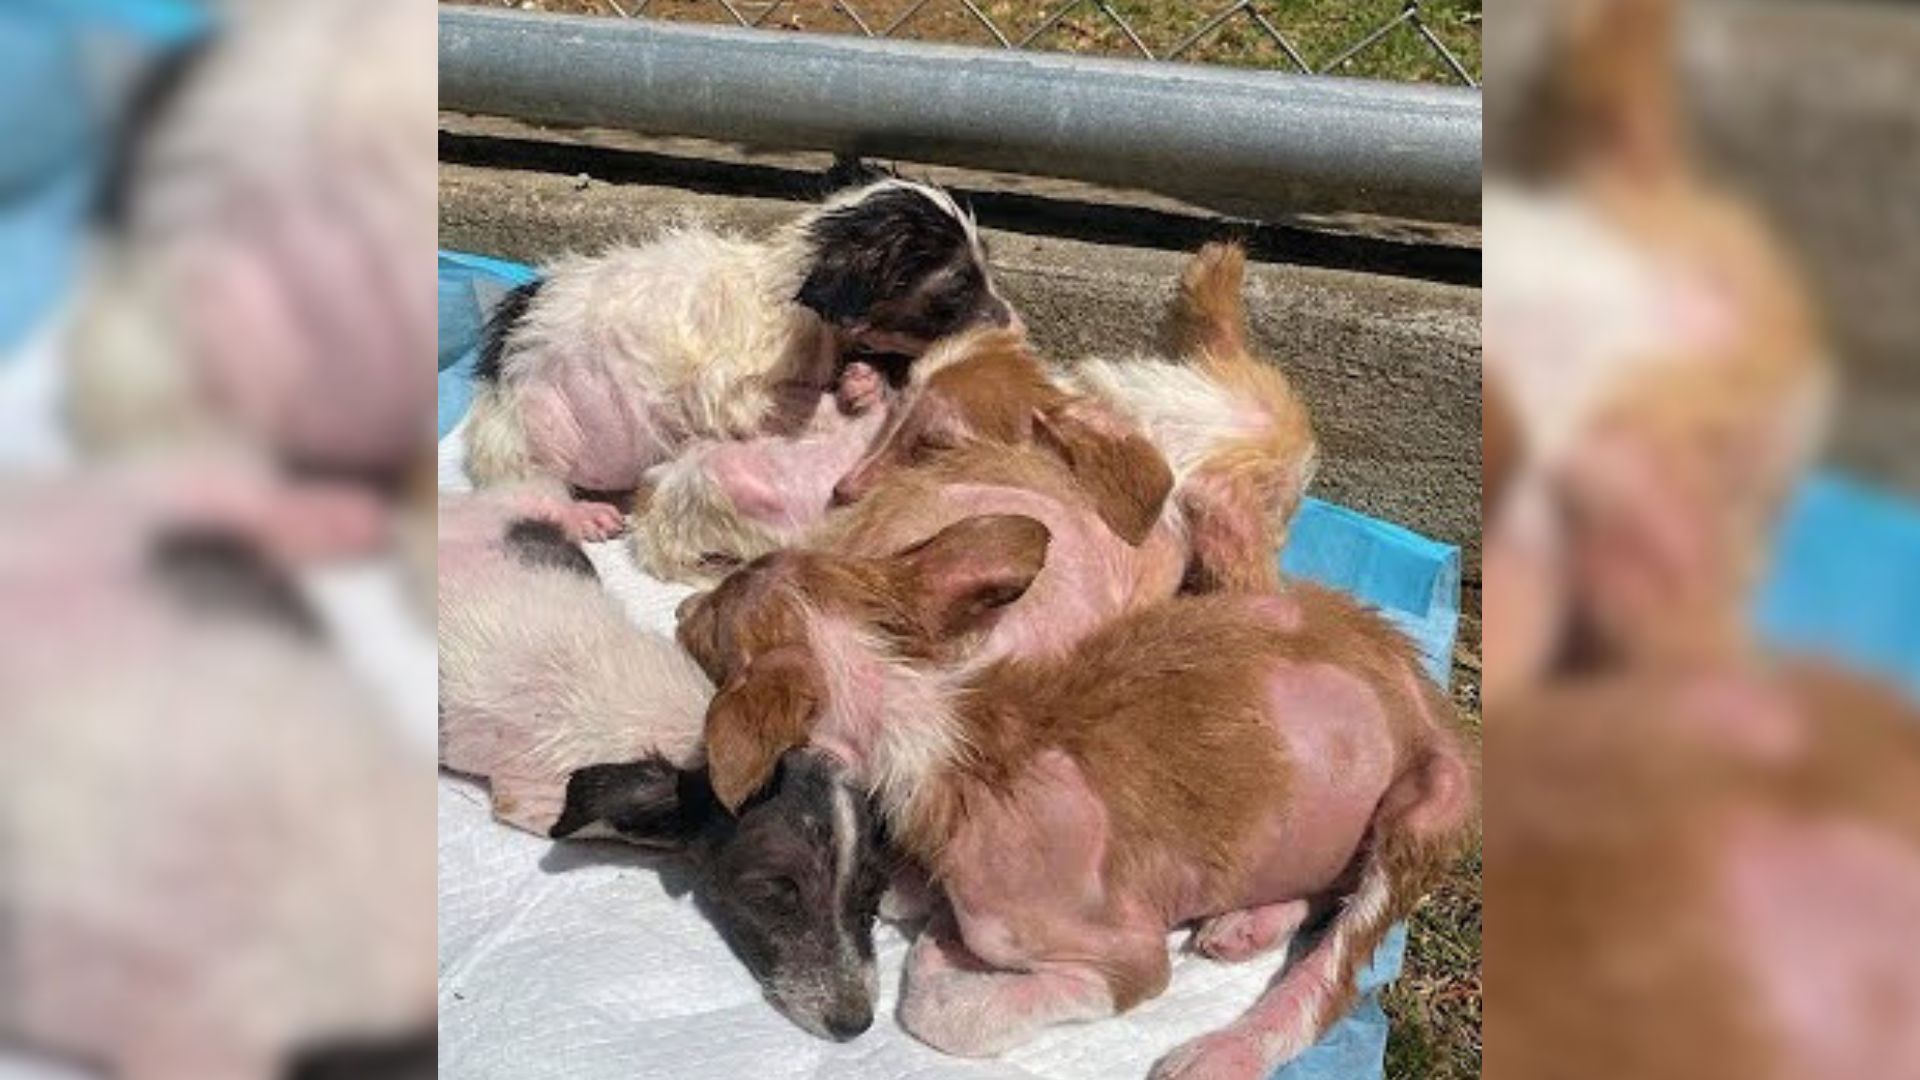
(261, 281)
(1220, 430)
(722, 502)
(1710, 872)
(1655, 360)
(541, 671)
(1231, 755)
(614, 363)
(214, 838)
(793, 877)
(584, 725)
(1090, 575)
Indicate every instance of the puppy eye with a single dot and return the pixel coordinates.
(931, 442)
(779, 891)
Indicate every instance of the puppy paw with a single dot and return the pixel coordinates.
(590, 522)
(1223, 1055)
(909, 897)
(938, 1009)
(861, 388)
(1243, 935)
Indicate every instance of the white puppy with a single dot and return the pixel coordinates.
(614, 363)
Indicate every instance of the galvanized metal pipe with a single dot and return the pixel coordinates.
(1256, 144)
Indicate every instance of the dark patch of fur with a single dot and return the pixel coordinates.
(153, 98)
(853, 172)
(650, 801)
(767, 881)
(540, 543)
(410, 1056)
(214, 571)
(500, 326)
(871, 257)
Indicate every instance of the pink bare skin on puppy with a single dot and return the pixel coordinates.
(722, 502)
(1204, 756)
(613, 364)
(1209, 446)
(1710, 871)
(1090, 574)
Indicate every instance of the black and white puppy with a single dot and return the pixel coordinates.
(612, 363)
(586, 726)
(793, 883)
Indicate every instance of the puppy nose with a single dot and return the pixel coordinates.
(849, 1024)
(845, 493)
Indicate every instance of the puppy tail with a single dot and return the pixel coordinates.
(496, 437)
(1416, 832)
(1609, 99)
(1241, 497)
(1208, 315)
(130, 383)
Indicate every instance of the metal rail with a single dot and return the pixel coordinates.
(1260, 145)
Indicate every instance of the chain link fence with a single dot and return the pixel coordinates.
(1402, 40)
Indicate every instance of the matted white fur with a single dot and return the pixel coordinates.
(550, 655)
(688, 514)
(680, 333)
(1186, 414)
(674, 326)
(1190, 415)
(1563, 282)
(870, 696)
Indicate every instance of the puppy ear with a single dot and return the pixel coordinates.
(855, 172)
(1124, 474)
(965, 573)
(649, 802)
(838, 287)
(766, 712)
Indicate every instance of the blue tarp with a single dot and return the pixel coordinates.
(1846, 580)
(65, 66)
(470, 285)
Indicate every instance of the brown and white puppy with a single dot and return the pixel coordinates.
(1090, 575)
(1235, 757)
(1219, 429)
(1708, 872)
(614, 363)
(584, 725)
(1655, 358)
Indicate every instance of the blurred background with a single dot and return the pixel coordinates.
(216, 652)
(1702, 835)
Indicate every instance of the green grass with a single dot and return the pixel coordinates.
(1434, 1007)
